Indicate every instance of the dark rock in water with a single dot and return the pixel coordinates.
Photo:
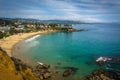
(74, 69)
(67, 72)
(102, 60)
(44, 66)
(114, 75)
(101, 74)
(98, 72)
(100, 63)
(115, 60)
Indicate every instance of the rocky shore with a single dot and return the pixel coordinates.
(18, 70)
(24, 72)
(101, 74)
(107, 73)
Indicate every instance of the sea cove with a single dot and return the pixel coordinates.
(72, 49)
(60, 40)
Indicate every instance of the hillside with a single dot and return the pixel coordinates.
(9, 71)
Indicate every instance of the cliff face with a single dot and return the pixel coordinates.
(10, 71)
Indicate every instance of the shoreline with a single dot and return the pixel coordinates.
(55, 72)
(9, 43)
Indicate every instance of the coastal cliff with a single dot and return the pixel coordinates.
(10, 71)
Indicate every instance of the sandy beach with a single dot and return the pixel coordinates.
(8, 43)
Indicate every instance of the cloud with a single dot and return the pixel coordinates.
(69, 11)
(82, 10)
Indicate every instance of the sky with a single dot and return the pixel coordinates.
(77, 10)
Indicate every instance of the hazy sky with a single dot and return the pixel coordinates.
(82, 10)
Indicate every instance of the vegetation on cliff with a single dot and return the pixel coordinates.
(9, 70)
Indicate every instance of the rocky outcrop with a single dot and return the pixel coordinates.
(42, 71)
(100, 63)
(101, 74)
(14, 69)
(102, 60)
(67, 72)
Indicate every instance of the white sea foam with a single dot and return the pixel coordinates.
(32, 38)
(103, 59)
(40, 63)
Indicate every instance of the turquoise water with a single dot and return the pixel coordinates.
(75, 49)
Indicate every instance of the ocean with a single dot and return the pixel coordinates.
(78, 50)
